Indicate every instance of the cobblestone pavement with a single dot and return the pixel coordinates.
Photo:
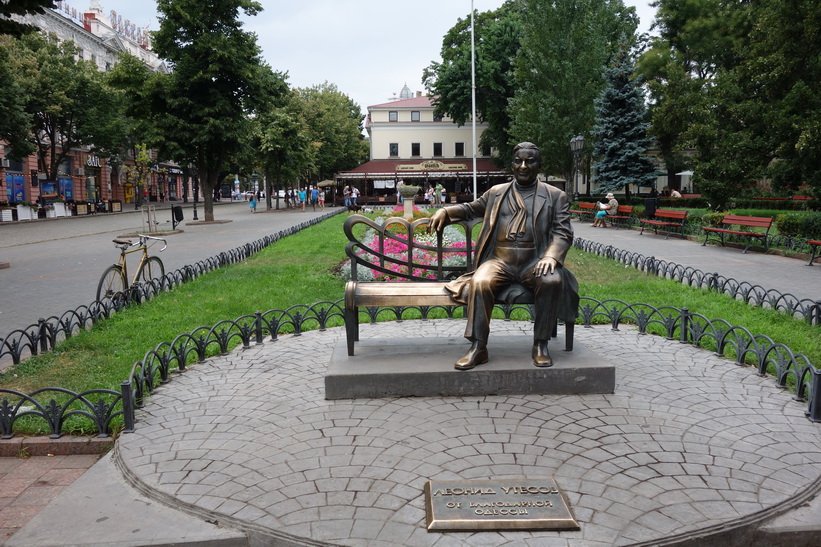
(688, 443)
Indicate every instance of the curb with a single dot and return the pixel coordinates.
(46, 446)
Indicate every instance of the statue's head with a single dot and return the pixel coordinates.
(527, 161)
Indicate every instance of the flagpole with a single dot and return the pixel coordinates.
(473, 93)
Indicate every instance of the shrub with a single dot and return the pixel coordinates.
(789, 224)
(712, 219)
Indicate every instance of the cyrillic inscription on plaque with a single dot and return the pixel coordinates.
(519, 504)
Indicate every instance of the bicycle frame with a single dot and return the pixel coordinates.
(139, 246)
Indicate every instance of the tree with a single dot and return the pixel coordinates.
(497, 39)
(21, 7)
(203, 108)
(335, 125)
(621, 131)
(15, 121)
(285, 144)
(66, 102)
(565, 47)
(698, 42)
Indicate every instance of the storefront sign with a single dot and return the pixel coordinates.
(432, 165)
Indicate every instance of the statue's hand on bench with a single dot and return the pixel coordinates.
(438, 221)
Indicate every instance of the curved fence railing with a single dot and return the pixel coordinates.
(57, 406)
(791, 371)
(749, 293)
(44, 335)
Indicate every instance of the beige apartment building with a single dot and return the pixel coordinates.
(409, 144)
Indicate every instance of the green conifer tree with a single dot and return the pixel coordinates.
(621, 131)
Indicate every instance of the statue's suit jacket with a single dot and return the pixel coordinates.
(551, 228)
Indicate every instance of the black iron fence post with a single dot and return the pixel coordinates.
(685, 326)
(128, 406)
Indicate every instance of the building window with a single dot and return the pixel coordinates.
(486, 150)
(460, 149)
(416, 149)
(437, 150)
(393, 116)
(437, 117)
(394, 149)
(415, 116)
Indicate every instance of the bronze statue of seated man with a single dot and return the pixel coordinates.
(524, 239)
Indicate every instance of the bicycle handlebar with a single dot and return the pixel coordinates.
(164, 242)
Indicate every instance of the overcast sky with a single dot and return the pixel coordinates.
(368, 48)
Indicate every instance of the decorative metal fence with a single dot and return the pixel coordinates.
(806, 309)
(56, 406)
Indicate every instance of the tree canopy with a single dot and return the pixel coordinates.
(63, 102)
(218, 82)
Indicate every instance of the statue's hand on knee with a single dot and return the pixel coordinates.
(545, 266)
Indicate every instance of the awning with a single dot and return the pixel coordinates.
(417, 168)
(685, 173)
(325, 183)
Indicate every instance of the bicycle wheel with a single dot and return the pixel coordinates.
(111, 283)
(152, 268)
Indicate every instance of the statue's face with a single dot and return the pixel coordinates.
(526, 165)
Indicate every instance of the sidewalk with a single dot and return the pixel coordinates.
(723, 450)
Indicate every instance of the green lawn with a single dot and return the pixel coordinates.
(300, 269)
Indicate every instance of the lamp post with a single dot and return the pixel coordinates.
(195, 182)
(576, 145)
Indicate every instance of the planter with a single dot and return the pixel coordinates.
(6, 215)
(24, 212)
(59, 209)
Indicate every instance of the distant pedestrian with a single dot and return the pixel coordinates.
(314, 197)
(346, 193)
(354, 194)
(253, 203)
(321, 199)
(303, 197)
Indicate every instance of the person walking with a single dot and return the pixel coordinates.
(252, 203)
(314, 197)
(354, 194)
(346, 193)
(321, 199)
(303, 197)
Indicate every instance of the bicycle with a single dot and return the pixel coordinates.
(115, 278)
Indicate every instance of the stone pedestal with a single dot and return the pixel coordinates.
(424, 368)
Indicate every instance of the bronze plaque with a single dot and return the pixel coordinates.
(513, 504)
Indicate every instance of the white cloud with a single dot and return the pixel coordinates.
(368, 48)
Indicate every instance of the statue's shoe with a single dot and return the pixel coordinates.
(541, 357)
(474, 356)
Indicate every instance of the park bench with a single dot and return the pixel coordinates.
(622, 216)
(737, 220)
(815, 246)
(585, 208)
(420, 283)
(665, 218)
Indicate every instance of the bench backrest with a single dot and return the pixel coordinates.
(672, 214)
(759, 222)
(586, 205)
(624, 210)
(388, 250)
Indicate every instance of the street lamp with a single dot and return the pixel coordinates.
(576, 145)
(195, 182)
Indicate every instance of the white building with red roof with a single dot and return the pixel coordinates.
(410, 144)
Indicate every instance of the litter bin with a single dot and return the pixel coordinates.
(650, 205)
(176, 216)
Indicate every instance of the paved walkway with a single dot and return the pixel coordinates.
(688, 444)
(56, 263)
